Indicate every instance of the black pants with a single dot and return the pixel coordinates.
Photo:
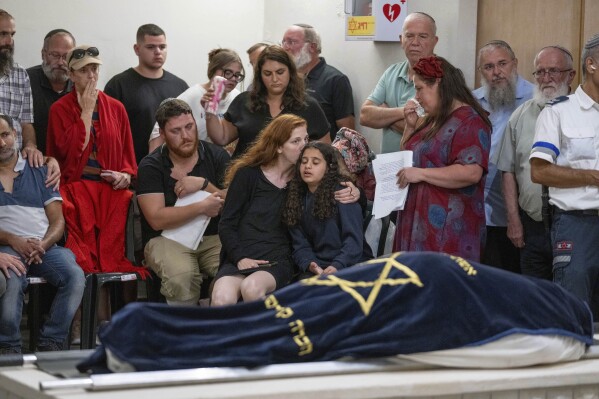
(499, 250)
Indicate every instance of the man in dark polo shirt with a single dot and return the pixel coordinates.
(182, 166)
(329, 86)
(50, 80)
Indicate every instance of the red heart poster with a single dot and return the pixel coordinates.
(391, 11)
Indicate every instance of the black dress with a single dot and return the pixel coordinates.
(251, 227)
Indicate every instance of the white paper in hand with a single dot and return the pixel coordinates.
(190, 234)
(388, 196)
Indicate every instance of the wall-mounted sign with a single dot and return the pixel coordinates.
(379, 20)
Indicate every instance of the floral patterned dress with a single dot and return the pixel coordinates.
(441, 219)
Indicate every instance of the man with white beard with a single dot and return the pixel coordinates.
(501, 92)
(325, 83)
(553, 73)
(50, 80)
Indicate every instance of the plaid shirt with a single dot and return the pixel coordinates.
(15, 98)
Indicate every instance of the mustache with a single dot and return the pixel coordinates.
(6, 47)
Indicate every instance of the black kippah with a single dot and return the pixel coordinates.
(55, 31)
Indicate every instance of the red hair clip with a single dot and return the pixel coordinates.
(429, 67)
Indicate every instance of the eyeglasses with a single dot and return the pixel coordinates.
(56, 56)
(229, 74)
(491, 67)
(291, 43)
(552, 72)
(80, 53)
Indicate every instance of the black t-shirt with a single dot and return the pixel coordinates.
(249, 123)
(43, 97)
(141, 97)
(332, 90)
(154, 176)
(251, 224)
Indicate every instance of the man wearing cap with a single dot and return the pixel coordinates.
(50, 80)
(565, 157)
(89, 134)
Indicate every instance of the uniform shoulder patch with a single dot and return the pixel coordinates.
(557, 100)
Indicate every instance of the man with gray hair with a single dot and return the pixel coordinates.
(182, 166)
(325, 83)
(50, 80)
(31, 222)
(502, 91)
(565, 157)
(553, 72)
(384, 107)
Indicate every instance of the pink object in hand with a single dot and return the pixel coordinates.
(218, 84)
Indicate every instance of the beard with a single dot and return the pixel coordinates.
(183, 153)
(303, 58)
(540, 97)
(58, 74)
(6, 59)
(500, 97)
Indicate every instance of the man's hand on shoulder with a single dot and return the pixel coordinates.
(33, 155)
(53, 176)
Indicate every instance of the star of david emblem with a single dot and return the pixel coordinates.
(383, 279)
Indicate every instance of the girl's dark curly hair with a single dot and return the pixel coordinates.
(294, 96)
(325, 205)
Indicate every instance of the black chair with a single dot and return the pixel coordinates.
(34, 309)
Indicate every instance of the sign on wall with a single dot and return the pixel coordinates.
(378, 20)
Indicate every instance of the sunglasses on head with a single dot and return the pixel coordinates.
(80, 53)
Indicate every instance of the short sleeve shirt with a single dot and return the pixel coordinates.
(27, 202)
(514, 152)
(394, 88)
(567, 134)
(249, 123)
(154, 176)
(332, 90)
(16, 100)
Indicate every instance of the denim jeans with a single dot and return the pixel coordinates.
(536, 257)
(2, 284)
(575, 242)
(59, 269)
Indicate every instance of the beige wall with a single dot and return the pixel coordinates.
(194, 27)
(534, 24)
